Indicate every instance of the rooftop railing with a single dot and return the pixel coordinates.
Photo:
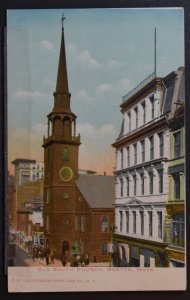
(148, 79)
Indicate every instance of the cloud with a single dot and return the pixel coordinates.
(124, 85)
(47, 45)
(114, 64)
(104, 89)
(27, 95)
(85, 58)
(71, 49)
(97, 140)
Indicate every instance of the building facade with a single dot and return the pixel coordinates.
(175, 207)
(27, 170)
(142, 184)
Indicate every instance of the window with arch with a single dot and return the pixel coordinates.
(66, 127)
(105, 222)
(104, 248)
(57, 126)
(66, 154)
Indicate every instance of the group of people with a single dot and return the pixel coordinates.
(37, 252)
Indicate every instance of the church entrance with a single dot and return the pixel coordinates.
(65, 252)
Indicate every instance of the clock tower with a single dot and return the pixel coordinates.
(61, 165)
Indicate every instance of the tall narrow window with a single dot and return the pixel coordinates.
(104, 248)
(121, 151)
(177, 231)
(66, 154)
(127, 186)
(134, 222)
(151, 182)
(160, 177)
(129, 120)
(142, 221)
(136, 117)
(128, 156)
(127, 221)
(135, 153)
(143, 150)
(47, 223)
(135, 184)
(121, 221)
(161, 145)
(151, 139)
(104, 224)
(152, 106)
(142, 184)
(177, 142)
(150, 224)
(159, 224)
(144, 112)
(121, 184)
(176, 179)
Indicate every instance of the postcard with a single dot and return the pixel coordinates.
(96, 150)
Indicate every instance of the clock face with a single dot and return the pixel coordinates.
(66, 174)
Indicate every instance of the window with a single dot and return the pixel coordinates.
(152, 106)
(150, 223)
(135, 153)
(176, 179)
(177, 142)
(142, 221)
(77, 223)
(121, 151)
(104, 224)
(48, 155)
(47, 223)
(129, 121)
(134, 221)
(151, 139)
(121, 221)
(82, 224)
(151, 183)
(144, 112)
(121, 186)
(159, 224)
(104, 248)
(49, 196)
(161, 146)
(127, 186)
(160, 178)
(127, 221)
(66, 154)
(142, 184)
(128, 156)
(177, 231)
(135, 184)
(143, 150)
(136, 117)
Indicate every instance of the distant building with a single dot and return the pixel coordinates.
(142, 184)
(27, 170)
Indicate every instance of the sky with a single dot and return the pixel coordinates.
(108, 51)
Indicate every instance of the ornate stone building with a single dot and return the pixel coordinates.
(142, 184)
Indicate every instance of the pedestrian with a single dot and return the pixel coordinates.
(52, 258)
(47, 258)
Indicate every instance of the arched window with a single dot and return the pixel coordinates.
(66, 154)
(66, 127)
(57, 126)
(105, 224)
(104, 248)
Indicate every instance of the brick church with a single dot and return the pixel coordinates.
(78, 208)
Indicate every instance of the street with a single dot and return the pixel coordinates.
(21, 259)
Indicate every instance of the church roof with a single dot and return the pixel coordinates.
(98, 190)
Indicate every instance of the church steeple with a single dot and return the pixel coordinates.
(62, 94)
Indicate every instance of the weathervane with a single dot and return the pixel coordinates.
(62, 20)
